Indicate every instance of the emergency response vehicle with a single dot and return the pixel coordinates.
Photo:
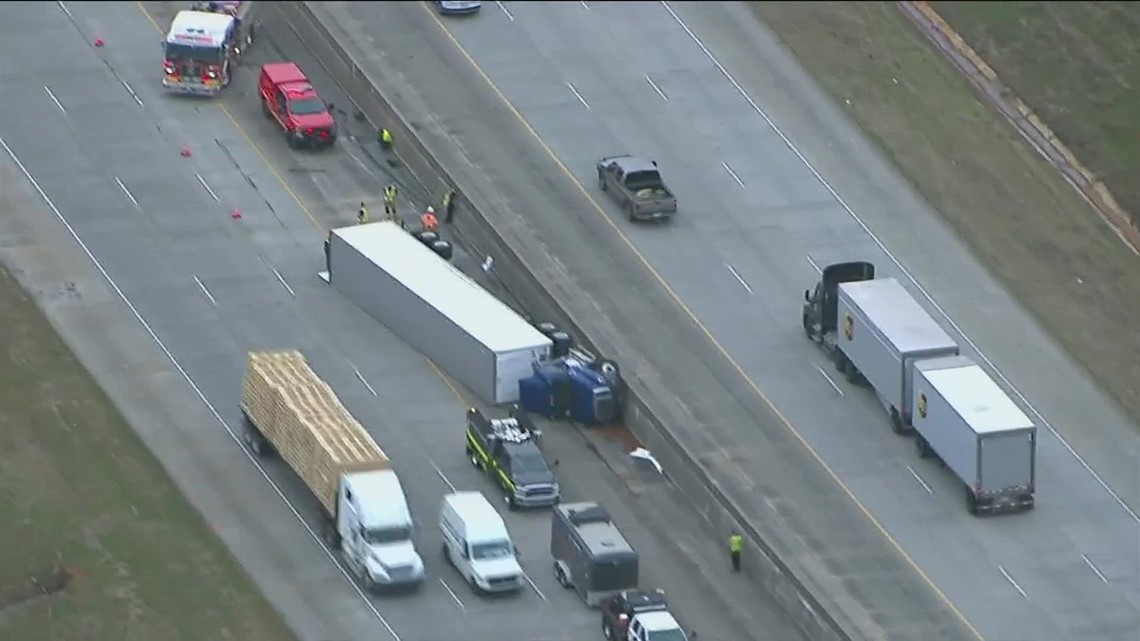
(202, 49)
(639, 616)
(507, 450)
(289, 99)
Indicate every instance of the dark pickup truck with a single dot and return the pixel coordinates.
(636, 185)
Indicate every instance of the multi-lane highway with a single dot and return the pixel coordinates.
(168, 291)
(758, 217)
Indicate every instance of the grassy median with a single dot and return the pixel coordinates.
(1015, 211)
(96, 542)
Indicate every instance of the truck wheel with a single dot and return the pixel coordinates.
(602, 181)
(265, 108)
(840, 362)
(923, 447)
(971, 502)
(807, 327)
(630, 209)
(896, 422)
(511, 504)
(330, 536)
(474, 460)
(852, 374)
(607, 630)
(447, 555)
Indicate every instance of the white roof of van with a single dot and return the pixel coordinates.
(443, 286)
(199, 28)
(378, 490)
(660, 620)
(980, 401)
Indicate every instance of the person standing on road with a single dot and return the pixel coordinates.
(390, 202)
(428, 221)
(362, 215)
(386, 139)
(449, 206)
(735, 546)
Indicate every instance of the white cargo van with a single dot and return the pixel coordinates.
(476, 542)
(375, 528)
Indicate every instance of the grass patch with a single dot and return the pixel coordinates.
(1077, 65)
(1018, 215)
(97, 542)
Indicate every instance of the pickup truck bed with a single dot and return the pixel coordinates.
(636, 185)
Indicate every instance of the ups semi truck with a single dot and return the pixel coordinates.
(874, 331)
(289, 411)
(963, 418)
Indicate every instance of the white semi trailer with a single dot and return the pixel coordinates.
(882, 332)
(966, 420)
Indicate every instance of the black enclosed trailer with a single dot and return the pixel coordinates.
(590, 553)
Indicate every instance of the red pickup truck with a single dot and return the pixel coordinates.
(288, 97)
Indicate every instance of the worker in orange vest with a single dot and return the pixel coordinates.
(428, 221)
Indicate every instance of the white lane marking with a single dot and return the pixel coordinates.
(132, 92)
(65, 10)
(811, 261)
(534, 587)
(897, 263)
(58, 104)
(830, 380)
(920, 481)
(587, 6)
(202, 286)
(577, 95)
(509, 16)
(439, 473)
(1095, 570)
(360, 162)
(737, 276)
(360, 377)
(198, 392)
(208, 190)
(452, 593)
(656, 88)
(281, 279)
(732, 173)
(126, 191)
(1012, 582)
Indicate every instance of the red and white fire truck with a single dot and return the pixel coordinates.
(202, 48)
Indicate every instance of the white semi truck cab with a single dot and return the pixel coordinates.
(374, 528)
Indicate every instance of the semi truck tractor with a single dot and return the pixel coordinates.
(874, 331)
(288, 410)
(472, 335)
(963, 418)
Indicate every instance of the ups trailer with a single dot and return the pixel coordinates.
(966, 420)
(877, 333)
(590, 554)
(436, 308)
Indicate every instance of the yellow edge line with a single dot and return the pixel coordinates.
(598, 208)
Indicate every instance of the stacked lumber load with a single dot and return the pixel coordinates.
(301, 416)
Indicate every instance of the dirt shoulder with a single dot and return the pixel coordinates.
(1018, 215)
(98, 543)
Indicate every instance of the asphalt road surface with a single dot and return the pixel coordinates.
(161, 291)
(756, 220)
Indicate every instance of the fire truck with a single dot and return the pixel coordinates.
(203, 46)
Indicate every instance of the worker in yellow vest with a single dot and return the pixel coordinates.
(735, 546)
(386, 139)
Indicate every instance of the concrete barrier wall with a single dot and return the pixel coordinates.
(479, 234)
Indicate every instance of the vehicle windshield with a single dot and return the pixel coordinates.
(676, 634)
(529, 462)
(384, 535)
(184, 53)
(492, 550)
(306, 106)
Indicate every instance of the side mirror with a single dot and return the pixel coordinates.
(807, 296)
(654, 162)
(517, 553)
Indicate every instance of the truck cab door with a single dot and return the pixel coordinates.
(280, 109)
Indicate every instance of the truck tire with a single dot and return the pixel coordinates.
(896, 422)
(630, 209)
(807, 327)
(607, 630)
(265, 109)
(841, 362)
(923, 446)
(511, 504)
(602, 181)
(971, 502)
(852, 374)
(332, 539)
